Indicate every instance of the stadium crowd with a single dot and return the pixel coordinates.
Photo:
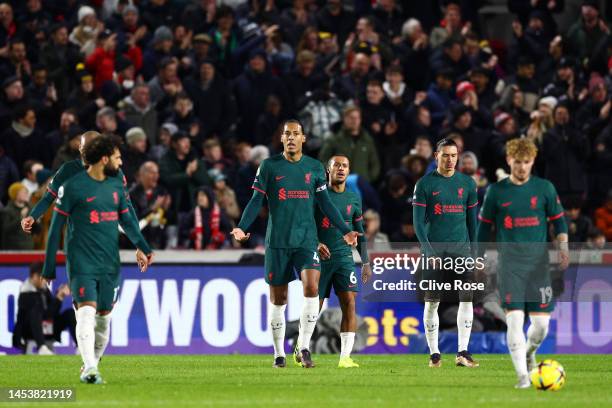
(198, 91)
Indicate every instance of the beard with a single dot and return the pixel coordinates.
(110, 171)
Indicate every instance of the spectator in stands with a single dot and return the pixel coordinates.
(354, 142)
(524, 80)
(13, 97)
(17, 63)
(30, 168)
(184, 117)
(396, 196)
(565, 151)
(139, 112)
(531, 41)
(578, 224)
(84, 99)
(414, 52)
(303, 81)
(207, 225)
(22, 140)
(406, 232)
(461, 122)
(494, 156)
(208, 85)
(182, 173)
(439, 95)
(567, 83)
(333, 18)
(270, 121)
(70, 149)
(587, 33)
(224, 195)
(40, 318)
(8, 175)
(352, 84)
(160, 51)
(166, 131)
(11, 234)
(372, 228)
(106, 121)
(151, 202)
(594, 113)
(61, 58)
(320, 116)
(603, 217)
(251, 89)
(596, 240)
(451, 56)
(134, 154)
(85, 34)
(166, 84)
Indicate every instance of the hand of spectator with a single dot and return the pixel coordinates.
(192, 167)
(99, 26)
(62, 292)
(167, 202)
(583, 95)
(27, 223)
(323, 251)
(211, 9)
(376, 61)
(270, 5)
(270, 31)
(603, 26)
(52, 93)
(239, 235)
(158, 203)
(375, 127)
(466, 28)
(517, 28)
(100, 103)
(194, 129)
(491, 63)
(604, 113)
(600, 147)
(110, 43)
(349, 41)
(551, 4)
(420, 42)
(390, 128)
(420, 97)
(534, 3)
(186, 43)
(139, 33)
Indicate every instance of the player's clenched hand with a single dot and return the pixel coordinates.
(324, 251)
(366, 273)
(143, 260)
(351, 237)
(26, 224)
(239, 235)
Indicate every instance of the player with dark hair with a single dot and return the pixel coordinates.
(520, 207)
(337, 266)
(292, 182)
(93, 202)
(445, 215)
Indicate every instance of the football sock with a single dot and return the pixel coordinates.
(85, 328)
(102, 335)
(465, 316)
(347, 339)
(538, 329)
(432, 325)
(276, 316)
(308, 321)
(515, 338)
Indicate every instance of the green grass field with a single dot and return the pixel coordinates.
(248, 381)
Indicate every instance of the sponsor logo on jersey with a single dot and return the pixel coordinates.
(520, 222)
(278, 178)
(440, 209)
(348, 209)
(284, 194)
(534, 202)
(460, 192)
(307, 178)
(90, 199)
(96, 217)
(115, 197)
(508, 222)
(325, 223)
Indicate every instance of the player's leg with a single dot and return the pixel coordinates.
(277, 265)
(431, 321)
(517, 345)
(540, 305)
(307, 262)
(348, 327)
(465, 318)
(107, 297)
(85, 293)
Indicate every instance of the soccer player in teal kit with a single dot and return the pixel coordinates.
(292, 182)
(93, 202)
(337, 265)
(520, 207)
(445, 213)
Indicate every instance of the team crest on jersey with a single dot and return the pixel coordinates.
(307, 178)
(348, 209)
(115, 197)
(325, 223)
(460, 192)
(534, 202)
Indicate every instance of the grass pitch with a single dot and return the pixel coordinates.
(250, 381)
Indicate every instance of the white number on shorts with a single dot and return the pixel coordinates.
(353, 278)
(116, 294)
(315, 256)
(547, 294)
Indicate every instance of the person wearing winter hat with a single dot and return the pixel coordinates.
(135, 153)
(161, 48)
(86, 32)
(11, 236)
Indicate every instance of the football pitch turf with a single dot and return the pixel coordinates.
(250, 381)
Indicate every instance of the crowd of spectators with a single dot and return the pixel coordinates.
(198, 90)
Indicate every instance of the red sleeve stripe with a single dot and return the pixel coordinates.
(419, 204)
(125, 210)
(359, 218)
(61, 212)
(473, 205)
(483, 219)
(556, 217)
(53, 193)
(259, 189)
